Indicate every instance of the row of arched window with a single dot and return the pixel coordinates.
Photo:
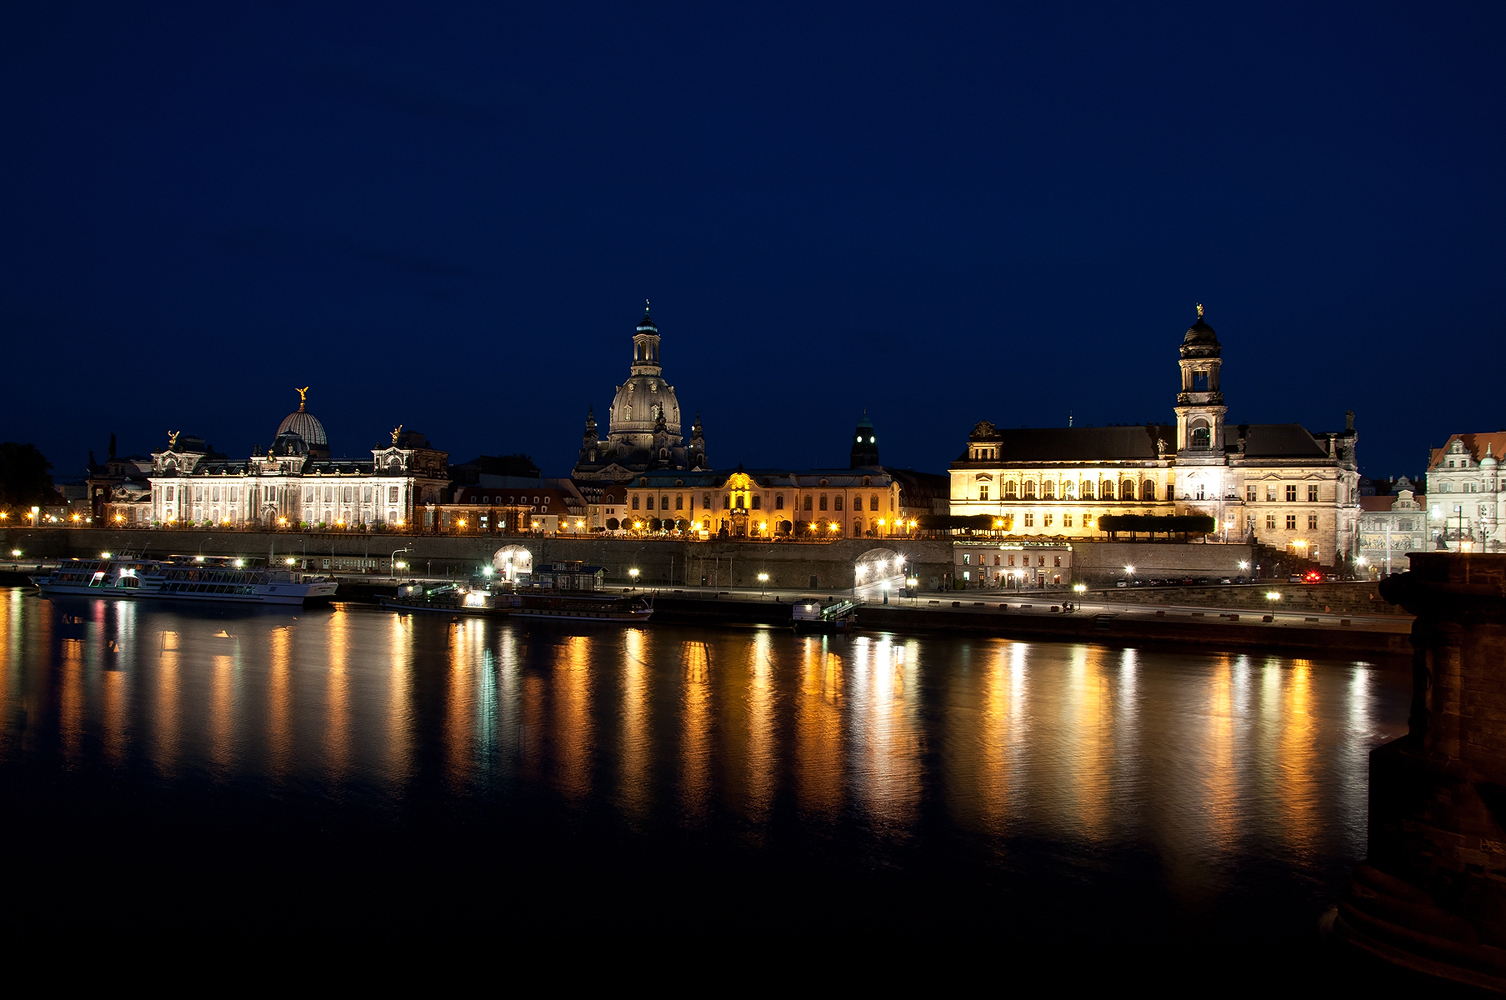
(741, 501)
(1106, 490)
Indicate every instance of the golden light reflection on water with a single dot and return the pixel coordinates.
(337, 734)
(280, 701)
(1203, 754)
(222, 721)
(1299, 757)
(1091, 733)
(1222, 781)
(397, 733)
(695, 730)
(634, 745)
(886, 748)
(574, 728)
(761, 753)
(818, 728)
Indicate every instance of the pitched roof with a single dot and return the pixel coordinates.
(1475, 444)
(1275, 441)
(1081, 444)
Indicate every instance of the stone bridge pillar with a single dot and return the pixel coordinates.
(1431, 896)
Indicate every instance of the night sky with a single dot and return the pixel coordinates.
(450, 219)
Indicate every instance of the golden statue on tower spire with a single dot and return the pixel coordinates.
(1199, 310)
(303, 394)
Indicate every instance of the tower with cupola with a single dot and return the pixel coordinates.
(1200, 405)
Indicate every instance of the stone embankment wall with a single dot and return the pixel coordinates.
(1357, 598)
(661, 563)
(1097, 563)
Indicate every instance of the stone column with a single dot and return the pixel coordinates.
(1431, 896)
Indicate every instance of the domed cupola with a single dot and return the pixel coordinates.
(1200, 341)
(307, 427)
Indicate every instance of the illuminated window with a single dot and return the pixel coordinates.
(1068, 490)
(1029, 519)
(1067, 520)
(1087, 489)
(1009, 490)
(1127, 490)
(996, 560)
(1270, 494)
(1048, 492)
(1270, 521)
(635, 501)
(1312, 494)
(1030, 491)
(1200, 439)
(1011, 560)
(967, 559)
(823, 501)
(873, 502)
(1046, 521)
(1312, 522)
(982, 492)
(739, 501)
(1291, 522)
(1250, 494)
(1058, 561)
(837, 502)
(1108, 490)
(1147, 490)
(1087, 520)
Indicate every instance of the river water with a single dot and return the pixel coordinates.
(334, 767)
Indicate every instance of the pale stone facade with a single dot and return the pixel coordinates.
(288, 486)
(1277, 483)
(1390, 527)
(1467, 493)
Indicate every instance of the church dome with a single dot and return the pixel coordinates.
(639, 402)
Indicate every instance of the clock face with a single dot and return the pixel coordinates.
(860, 439)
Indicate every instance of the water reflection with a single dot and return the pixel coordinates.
(1205, 756)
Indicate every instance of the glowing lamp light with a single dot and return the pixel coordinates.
(289, 560)
(239, 563)
(104, 555)
(15, 553)
(1271, 595)
(282, 520)
(76, 517)
(462, 522)
(487, 571)
(1080, 588)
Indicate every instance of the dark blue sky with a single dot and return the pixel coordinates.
(450, 220)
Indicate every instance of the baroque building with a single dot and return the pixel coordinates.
(643, 424)
(1279, 484)
(1391, 527)
(294, 482)
(757, 503)
(1467, 493)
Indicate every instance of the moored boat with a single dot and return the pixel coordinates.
(583, 606)
(199, 578)
(819, 614)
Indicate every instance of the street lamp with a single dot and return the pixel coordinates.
(634, 574)
(763, 583)
(393, 560)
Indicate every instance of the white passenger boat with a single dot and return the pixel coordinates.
(214, 579)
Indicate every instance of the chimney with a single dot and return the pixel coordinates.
(1349, 421)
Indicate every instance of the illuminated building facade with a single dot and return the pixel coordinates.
(1392, 526)
(294, 482)
(758, 503)
(643, 424)
(1467, 493)
(1278, 484)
